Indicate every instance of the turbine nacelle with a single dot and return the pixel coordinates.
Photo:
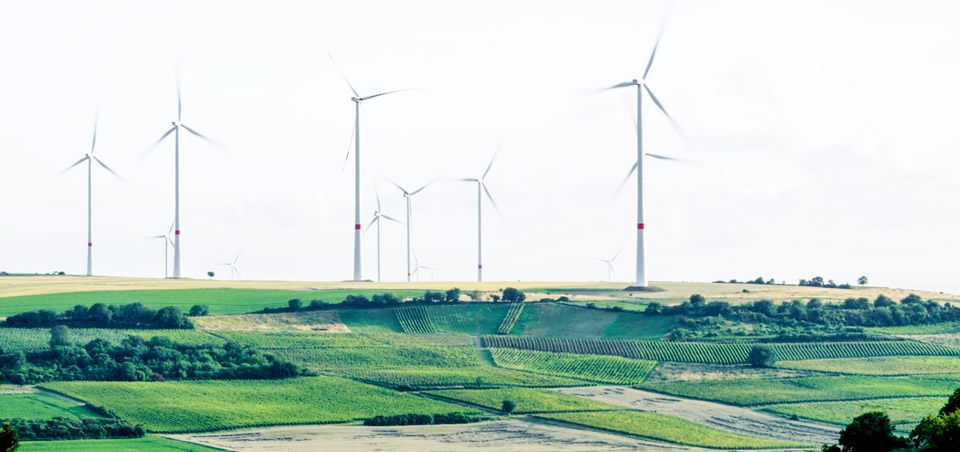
(176, 123)
(357, 99)
(639, 82)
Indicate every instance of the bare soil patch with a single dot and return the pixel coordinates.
(667, 372)
(319, 321)
(725, 417)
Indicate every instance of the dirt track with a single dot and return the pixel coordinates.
(725, 417)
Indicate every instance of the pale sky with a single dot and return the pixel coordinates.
(824, 137)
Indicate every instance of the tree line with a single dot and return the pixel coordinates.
(133, 315)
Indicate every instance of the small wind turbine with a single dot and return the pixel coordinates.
(175, 130)
(409, 196)
(167, 243)
(377, 216)
(481, 189)
(416, 270)
(233, 266)
(90, 158)
(357, 99)
(642, 85)
(610, 270)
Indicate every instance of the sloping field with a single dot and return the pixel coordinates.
(560, 320)
(905, 411)
(196, 406)
(146, 444)
(31, 404)
(318, 321)
(604, 369)
(527, 400)
(887, 365)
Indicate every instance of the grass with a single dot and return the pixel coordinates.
(42, 406)
(565, 321)
(527, 400)
(193, 406)
(901, 411)
(666, 428)
(145, 444)
(937, 328)
(603, 369)
(886, 365)
(752, 392)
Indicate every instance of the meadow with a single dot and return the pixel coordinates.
(601, 369)
(34, 405)
(527, 400)
(148, 443)
(903, 411)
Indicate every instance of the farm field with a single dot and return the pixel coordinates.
(666, 428)
(903, 411)
(566, 321)
(526, 400)
(886, 365)
(603, 369)
(145, 444)
(320, 321)
(193, 406)
(27, 403)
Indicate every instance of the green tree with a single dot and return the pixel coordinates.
(653, 308)
(937, 434)
(453, 295)
(211, 274)
(199, 310)
(59, 336)
(8, 439)
(508, 406)
(761, 356)
(953, 403)
(863, 281)
(512, 295)
(870, 432)
(294, 304)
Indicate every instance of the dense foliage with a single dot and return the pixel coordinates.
(870, 432)
(9, 440)
(134, 315)
(136, 359)
(63, 429)
(421, 419)
(384, 300)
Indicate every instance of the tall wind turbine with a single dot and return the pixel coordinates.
(90, 158)
(642, 85)
(609, 263)
(377, 217)
(357, 99)
(167, 243)
(409, 197)
(481, 189)
(175, 130)
(233, 266)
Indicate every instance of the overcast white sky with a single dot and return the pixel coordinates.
(825, 137)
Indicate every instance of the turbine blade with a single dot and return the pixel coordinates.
(155, 237)
(492, 159)
(377, 193)
(355, 94)
(615, 255)
(372, 222)
(349, 146)
(179, 103)
(620, 85)
(171, 228)
(96, 120)
(237, 258)
(104, 165)
(466, 179)
(397, 185)
(490, 197)
(661, 157)
(208, 140)
(673, 123)
(157, 143)
(391, 218)
(653, 54)
(71, 166)
(625, 180)
(388, 92)
(421, 188)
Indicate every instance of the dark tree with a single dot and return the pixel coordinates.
(937, 434)
(453, 295)
(210, 274)
(653, 308)
(863, 280)
(513, 295)
(697, 301)
(833, 448)
(8, 439)
(495, 298)
(508, 406)
(60, 336)
(953, 403)
(870, 432)
(199, 310)
(294, 305)
(761, 356)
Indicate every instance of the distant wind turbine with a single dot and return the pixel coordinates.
(357, 99)
(90, 158)
(642, 85)
(167, 243)
(175, 130)
(609, 262)
(481, 189)
(377, 216)
(233, 266)
(416, 270)
(409, 196)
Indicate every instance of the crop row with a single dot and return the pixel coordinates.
(604, 369)
(415, 319)
(508, 320)
(713, 353)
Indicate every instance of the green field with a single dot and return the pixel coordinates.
(39, 338)
(937, 328)
(220, 301)
(887, 365)
(145, 444)
(194, 406)
(526, 400)
(34, 405)
(907, 411)
(602, 369)
(667, 428)
(560, 320)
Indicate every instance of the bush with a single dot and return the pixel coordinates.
(870, 432)
(134, 315)
(420, 419)
(294, 305)
(60, 428)
(761, 356)
(199, 310)
(508, 406)
(512, 295)
(60, 336)
(8, 438)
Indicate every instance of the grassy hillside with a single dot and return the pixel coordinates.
(146, 444)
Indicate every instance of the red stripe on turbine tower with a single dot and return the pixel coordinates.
(178, 232)
(639, 225)
(89, 243)
(356, 226)
(479, 266)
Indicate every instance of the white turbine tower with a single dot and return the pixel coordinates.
(357, 99)
(409, 197)
(90, 158)
(167, 243)
(233, 266)
(481, 189)
(642, 85)
(377, 217)
(609, 262)
(175, 130)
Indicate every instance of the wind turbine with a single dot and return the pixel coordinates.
(175, 130)
(409, 196)
(357, 99)
(642, 85)
(90, 158)
(377, 216)
(416, 270)
(609, 262)
(233, 266)
(481, 189)
(167, 242)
